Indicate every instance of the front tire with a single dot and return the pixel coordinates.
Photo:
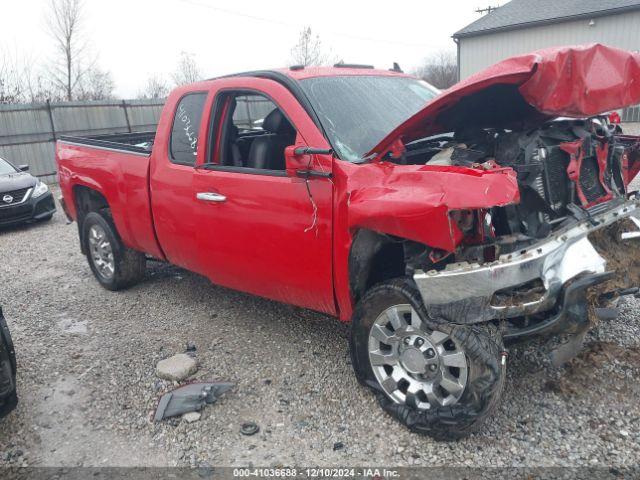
(114, 265)
(435, 377)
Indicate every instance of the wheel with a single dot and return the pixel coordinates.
(439, 379)
(114, 265)
(8, 395)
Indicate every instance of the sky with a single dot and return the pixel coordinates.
(136, 39)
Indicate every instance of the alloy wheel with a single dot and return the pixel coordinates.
(101, 252)
(414, 365)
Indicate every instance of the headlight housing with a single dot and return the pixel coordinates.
(40, 189)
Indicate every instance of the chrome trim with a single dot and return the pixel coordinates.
(210, 197)
(465, 291)
(99, 147)
(24, 199)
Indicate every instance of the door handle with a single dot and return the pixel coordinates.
(210, 197)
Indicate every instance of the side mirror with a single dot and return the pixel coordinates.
(298, 161)
(294, 161)
(23, 168)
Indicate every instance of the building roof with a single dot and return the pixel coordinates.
(525, 13)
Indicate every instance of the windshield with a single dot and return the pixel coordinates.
(357, 112)
(6, 168)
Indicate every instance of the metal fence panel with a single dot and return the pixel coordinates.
(143, 117)
(39, 156)
(631, 114)
(28, 132)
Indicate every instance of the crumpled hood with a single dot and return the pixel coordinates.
(577, 81)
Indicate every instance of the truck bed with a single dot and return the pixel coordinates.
(138, 142)
(117, 168)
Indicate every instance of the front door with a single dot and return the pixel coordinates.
(260, 230)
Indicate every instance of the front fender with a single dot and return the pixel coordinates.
(408, 201)
(414, 201)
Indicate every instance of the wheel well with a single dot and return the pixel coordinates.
(87, 200)
(373, 258)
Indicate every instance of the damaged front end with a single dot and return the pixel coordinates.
(573, 177)
(531, 265)
(527, 264)
(551, 275)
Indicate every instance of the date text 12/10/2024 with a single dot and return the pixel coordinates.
(369, 473)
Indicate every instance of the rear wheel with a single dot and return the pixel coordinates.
(437, 378)
(114, 265)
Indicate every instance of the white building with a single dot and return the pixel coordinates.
(522, 26)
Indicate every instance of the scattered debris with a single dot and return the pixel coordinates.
(606, 313)
(176, 368)
(579, 371)
(633, 233)
(189, 398)
(249, 428)
(338, 446)
(73, 327)
(191, 417)
(191, 347)
(569, 346)
(623, 259)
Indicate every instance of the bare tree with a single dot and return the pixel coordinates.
(187, 70)
(40, 88)
(65, 25)
(156, 88)
(22, 81)
(309, 51)
(11, 76)
(96, 84)
(439, 69)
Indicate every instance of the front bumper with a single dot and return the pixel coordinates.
(31, 209)
(466, 293)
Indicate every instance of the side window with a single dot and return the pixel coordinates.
(185, 131)
(254, 133)
(251, 111)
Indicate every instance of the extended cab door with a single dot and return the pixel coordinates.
(171, 175)
(259, 229)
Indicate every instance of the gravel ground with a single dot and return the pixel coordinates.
(88, 387)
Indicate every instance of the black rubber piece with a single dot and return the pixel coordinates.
(9, 397)
(483, 347)
(130, 265)
(249, 428)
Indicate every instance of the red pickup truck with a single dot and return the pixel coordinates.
(440, 225)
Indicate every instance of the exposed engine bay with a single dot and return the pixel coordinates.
(531, 260)
(566, 168)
